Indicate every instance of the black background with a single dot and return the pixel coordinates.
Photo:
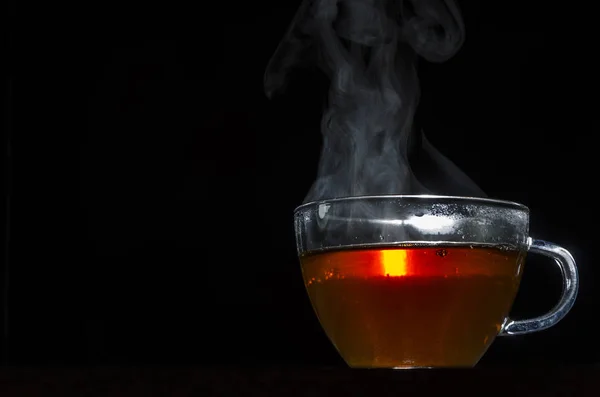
(153, 183)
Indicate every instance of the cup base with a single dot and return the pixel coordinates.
(397, 368)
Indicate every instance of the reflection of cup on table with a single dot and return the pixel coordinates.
(420, 281)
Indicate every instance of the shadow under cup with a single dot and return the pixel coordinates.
(420, 281)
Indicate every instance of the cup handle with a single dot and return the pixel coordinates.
(568, 268)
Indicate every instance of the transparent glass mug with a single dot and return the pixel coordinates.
(420, 281)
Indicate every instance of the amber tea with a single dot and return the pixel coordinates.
(412, 307)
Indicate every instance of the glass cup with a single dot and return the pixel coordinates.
(421, 281)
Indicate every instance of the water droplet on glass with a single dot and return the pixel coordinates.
(323, 208)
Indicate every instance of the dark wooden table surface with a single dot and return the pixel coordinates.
(117, 382)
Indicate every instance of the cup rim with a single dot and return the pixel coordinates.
(470, 199)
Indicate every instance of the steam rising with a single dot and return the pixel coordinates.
(369, 48)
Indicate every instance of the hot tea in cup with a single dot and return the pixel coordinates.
(419, 281)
